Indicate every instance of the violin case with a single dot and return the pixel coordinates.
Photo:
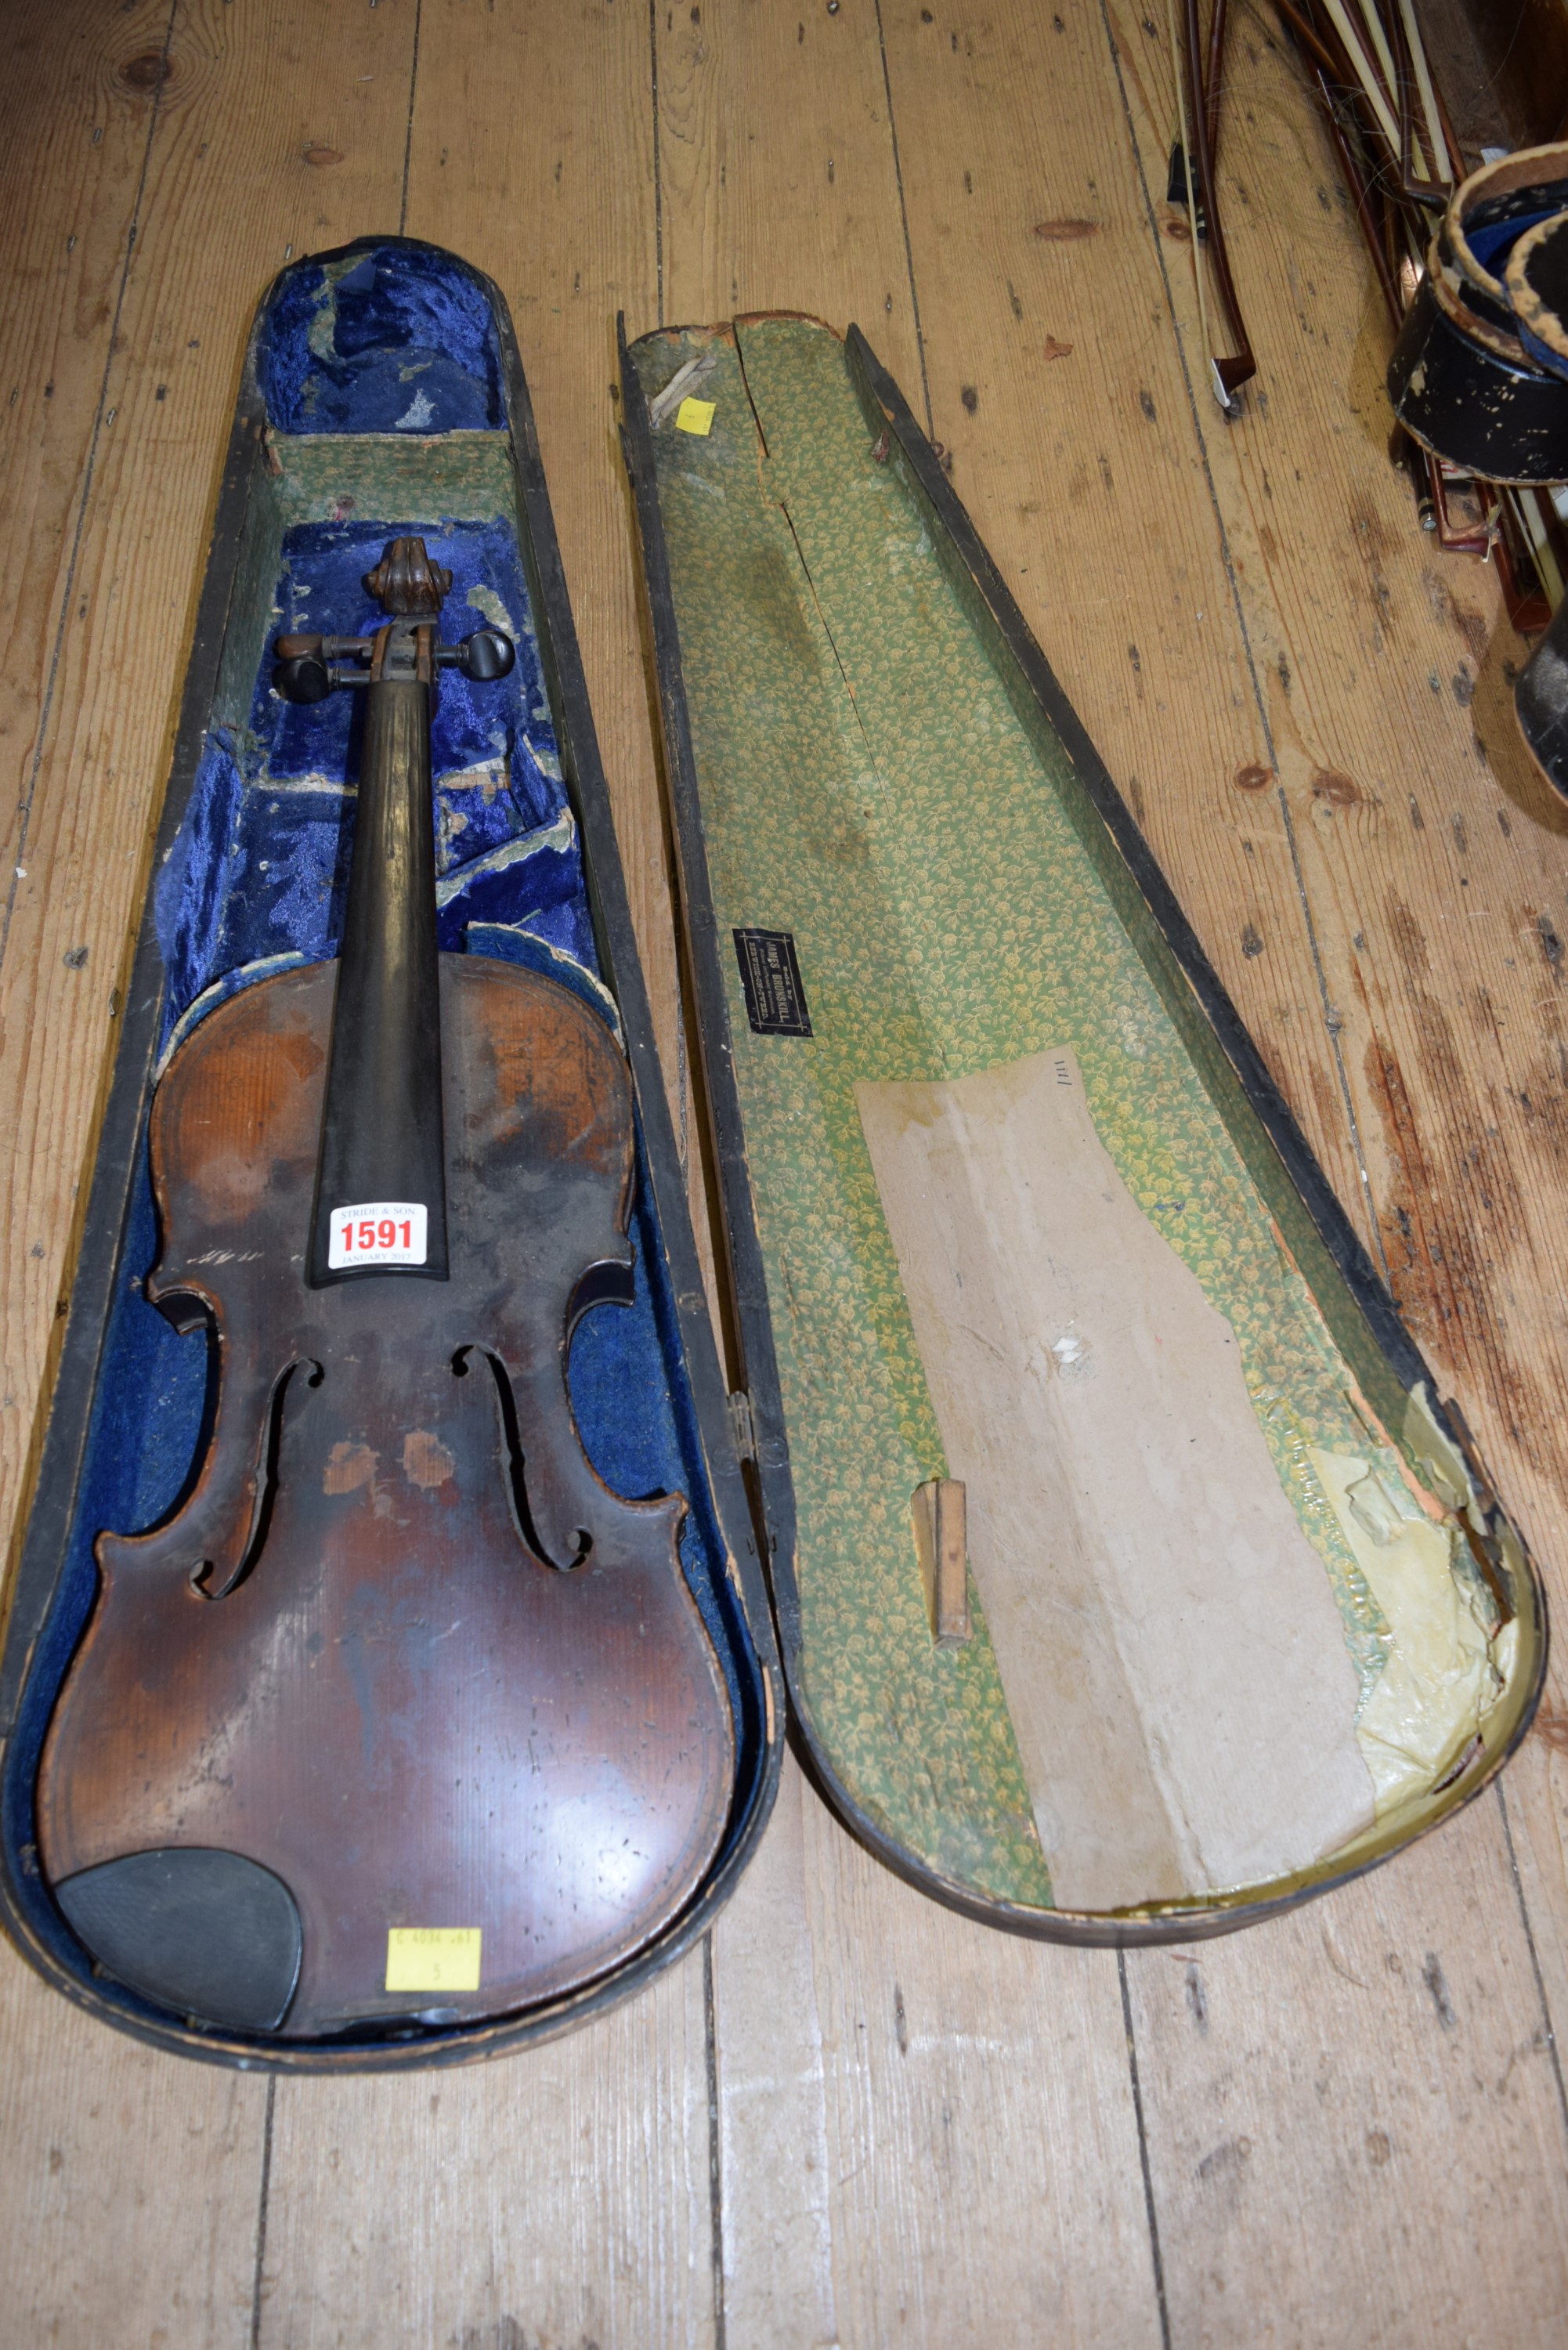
(1133, 1582)
(382, 394)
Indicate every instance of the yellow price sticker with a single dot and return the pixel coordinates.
(433, 1958)
(696, 416)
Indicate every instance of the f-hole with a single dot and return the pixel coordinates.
(266, 1487)
(516, 1466)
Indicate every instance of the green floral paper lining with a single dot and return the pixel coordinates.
(866, 785)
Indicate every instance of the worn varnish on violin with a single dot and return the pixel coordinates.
(403, 1718)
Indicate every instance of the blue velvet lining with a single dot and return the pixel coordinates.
(393, 341)
(261, 863)
(256, 881)
(1491, 246)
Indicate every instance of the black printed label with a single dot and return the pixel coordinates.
(769, 973)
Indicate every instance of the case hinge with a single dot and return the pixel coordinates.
(742, 1428)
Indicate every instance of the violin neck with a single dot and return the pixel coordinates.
(382, 1147)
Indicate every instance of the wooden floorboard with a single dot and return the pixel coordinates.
(133, 2185)
(928, 2128)
(779, 178)
(81, 106)
(1355, 2117)
(562, 2198)
(855, 2118)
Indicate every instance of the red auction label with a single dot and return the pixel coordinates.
(377, 1232)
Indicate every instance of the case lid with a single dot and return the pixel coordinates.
(1130, 1580)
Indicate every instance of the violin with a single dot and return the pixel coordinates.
(402, 1719)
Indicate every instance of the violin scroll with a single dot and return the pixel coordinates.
(407, 583)
(409, 586)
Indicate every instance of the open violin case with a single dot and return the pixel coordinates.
(1132, 1579)
(382, 396)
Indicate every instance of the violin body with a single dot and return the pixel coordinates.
(360, 1655)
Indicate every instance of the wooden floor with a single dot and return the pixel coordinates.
(851, 2119)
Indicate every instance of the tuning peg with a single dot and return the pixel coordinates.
(487, 654)
(302, 674)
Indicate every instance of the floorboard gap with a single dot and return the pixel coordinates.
(408, 134)
(1152, 2215)
(1534, 1954)
(260, 2213)
(715, 2162)
(658, 172)
(904, 224)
